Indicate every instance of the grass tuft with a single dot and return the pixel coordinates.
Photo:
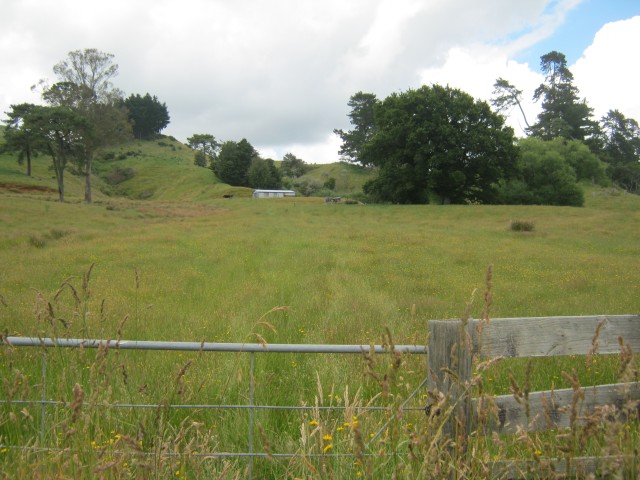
(522, 226)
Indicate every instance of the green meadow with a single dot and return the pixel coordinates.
(163, 256)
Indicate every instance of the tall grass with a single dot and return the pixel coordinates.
(354, 274)
(87, 436)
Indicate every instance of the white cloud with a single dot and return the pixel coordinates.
(608, 73)
(280, 73)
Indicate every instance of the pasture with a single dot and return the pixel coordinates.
(218, 270)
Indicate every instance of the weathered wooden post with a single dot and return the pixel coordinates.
(449, 367)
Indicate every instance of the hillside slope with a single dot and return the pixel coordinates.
(160, 169)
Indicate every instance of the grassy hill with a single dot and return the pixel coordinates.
(349, 178)
(158, 170)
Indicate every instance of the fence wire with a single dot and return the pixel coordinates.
(249, 348)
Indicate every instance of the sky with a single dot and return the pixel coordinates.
(280, 73)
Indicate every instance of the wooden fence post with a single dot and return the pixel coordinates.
(449, 367)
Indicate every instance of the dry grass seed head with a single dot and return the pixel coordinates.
(595, 343)
(77, 402)
(85, 282)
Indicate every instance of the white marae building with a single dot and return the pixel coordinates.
(273, 193)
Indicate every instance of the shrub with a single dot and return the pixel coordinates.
(522, 226)
(36, 241)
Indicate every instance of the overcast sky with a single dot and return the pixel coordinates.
(280, 73)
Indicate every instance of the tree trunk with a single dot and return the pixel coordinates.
(28, 161)
(87, 179)
(60, 179)
(58, 168)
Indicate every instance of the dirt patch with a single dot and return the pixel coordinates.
(14, 187)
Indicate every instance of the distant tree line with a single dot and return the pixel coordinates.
(438, 143)
(83, 113)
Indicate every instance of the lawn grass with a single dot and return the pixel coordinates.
(210, 269)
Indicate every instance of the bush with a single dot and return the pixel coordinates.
(307, 187)
(545, 177)
(522, 226)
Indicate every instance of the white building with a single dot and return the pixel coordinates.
(273, 193)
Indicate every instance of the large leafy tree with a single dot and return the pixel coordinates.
(263, 173)
(147, 114)
(205, 147)
(60, 131)
(362, 118)
(563, 114)
(19, 135)
(438, 140)
(232, 163)
(292, 166)
(85, 87)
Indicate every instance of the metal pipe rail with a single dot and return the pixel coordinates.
(207, 346)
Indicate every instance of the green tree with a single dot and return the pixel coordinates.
(362, 118)
(292, 166)
(148, 116)
(307, 186)
(19, 136)
(233, 162)
(92, 70)
(584, 162)
(330, 183)
(619, 142)
(620, 138)
(438, 140)
(61, 131)
(205, 148)
(563, 113)
(85, 86)
(545, 176)
(263, 174)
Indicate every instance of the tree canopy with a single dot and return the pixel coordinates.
(563, 113)
(619, 141)
(205, 148)
(362, 118)
(233, 162)
(60, 131)
(85, 88)
(438, 141)
(544, 176)
(263, 173)
(292, 166)
(147, 115)
(20, 136)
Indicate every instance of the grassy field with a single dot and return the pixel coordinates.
(175, 261)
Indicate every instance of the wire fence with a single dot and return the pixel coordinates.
(250, 407)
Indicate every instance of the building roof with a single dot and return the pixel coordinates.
(273, 191)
